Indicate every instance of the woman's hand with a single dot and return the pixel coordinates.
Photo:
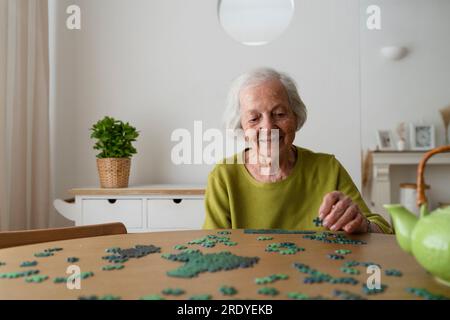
(339, 212)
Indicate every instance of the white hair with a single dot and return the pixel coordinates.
(232, 116)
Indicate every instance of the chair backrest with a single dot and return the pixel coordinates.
(20, 238)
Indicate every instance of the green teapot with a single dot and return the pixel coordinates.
(427, 238)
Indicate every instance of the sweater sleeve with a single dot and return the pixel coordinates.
(217, 205)
(347, 186)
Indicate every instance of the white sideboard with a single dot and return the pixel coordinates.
(383, 162)
(140, 209)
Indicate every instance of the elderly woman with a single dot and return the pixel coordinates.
(305, 185)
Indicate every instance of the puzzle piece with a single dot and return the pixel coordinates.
(262, 238)
(173, 292)
(72, 259)
(152, 297)
(228, 291)
(196, 262)
(314, 280)
(27, 264)
(353, 263)
(21, 274)
(208, 244)
(335, 256)
(284, 248)
(369, 291)
(350, 270)
(53, 249)
(36, 279)
(302, 296)
(277, 231)
(427, 295)
(211, 240)
(110, 297)
(344, 280)
(267, 291)
(230, 243)
(297, 296)
(317, 222)
(343, 251)
(201, 297)
(43, 254)
(83, 275)
(115, 259)
(95, 297)
(138, 251)
(110, 267)
(272, 278)
(180, 247)
(393, 273)
(59, 280)
(320, 277)
(113, 250)
(347, 295)
(336, 238)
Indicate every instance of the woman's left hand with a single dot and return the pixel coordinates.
(339, 212)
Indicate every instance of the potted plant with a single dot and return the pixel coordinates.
(114, 140)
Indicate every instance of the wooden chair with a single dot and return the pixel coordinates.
(20, 238)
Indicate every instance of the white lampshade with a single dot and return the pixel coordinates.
(255, 22)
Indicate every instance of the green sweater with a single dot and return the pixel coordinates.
(236, 200)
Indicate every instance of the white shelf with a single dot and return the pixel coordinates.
(382, 173)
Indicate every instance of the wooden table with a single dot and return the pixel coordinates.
(147, 275)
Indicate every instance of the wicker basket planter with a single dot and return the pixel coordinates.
(114, 172)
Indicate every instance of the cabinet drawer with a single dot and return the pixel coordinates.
(127, 211)
(187, 214)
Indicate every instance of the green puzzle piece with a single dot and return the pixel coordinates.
(201, 297)
(228, 290)
(36, 279)
(272, 278)
(196, 262)
(267, 291)
(152, 297)
(284, 248)
(20, 274)
(173, 292)
(110, 267)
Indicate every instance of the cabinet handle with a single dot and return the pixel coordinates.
(177, 201)
(112, 201)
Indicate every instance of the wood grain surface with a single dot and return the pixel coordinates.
(147, 275)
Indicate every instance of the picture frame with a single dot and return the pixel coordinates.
(422, 136)
(385, 140)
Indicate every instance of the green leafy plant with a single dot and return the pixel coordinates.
(114, 138)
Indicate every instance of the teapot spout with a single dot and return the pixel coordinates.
(404, 222)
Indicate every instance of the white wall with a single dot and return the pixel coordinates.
(412, 89)
(163, 64)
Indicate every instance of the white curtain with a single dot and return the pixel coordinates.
(24, 115)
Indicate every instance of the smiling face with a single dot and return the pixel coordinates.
(266, 106)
